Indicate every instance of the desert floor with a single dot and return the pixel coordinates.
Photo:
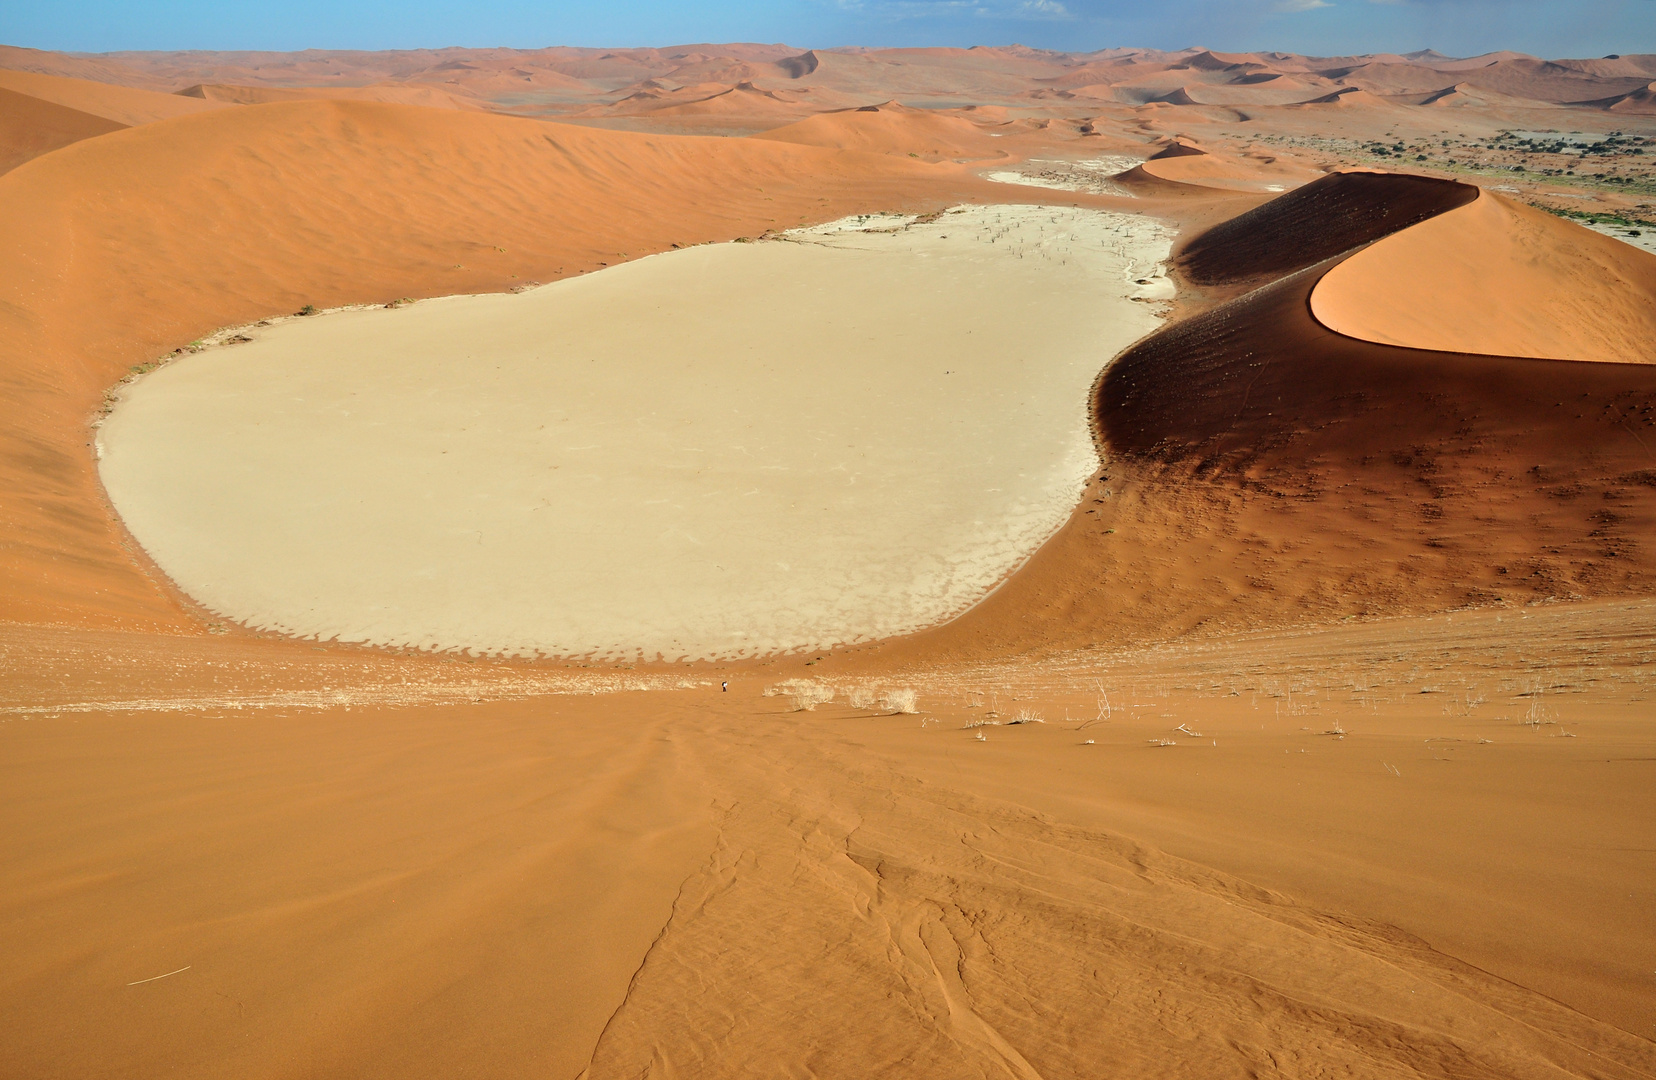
(1137, 565)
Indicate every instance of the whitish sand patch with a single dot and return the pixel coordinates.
(732, 449)
(1093, 175)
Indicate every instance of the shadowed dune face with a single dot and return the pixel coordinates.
(1262, 469)
(124, 105)
(30, 127)
(1316, 222)
(1513, 478)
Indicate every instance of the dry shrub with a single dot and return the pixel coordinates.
(805, 696)
(900, 701)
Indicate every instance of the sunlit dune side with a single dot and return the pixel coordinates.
(393, 94)
(1330, 217)
(1186, 166)
(30, 127)
(122, 104)
(1500, 278)
(1261, 469)
(116, 255)
(890, 128)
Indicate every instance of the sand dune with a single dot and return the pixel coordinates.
(320, 196)
(1344, 761)
(1180, 163)
(30, 127)
(891, 128)
(1262, 469)
(1496, 277)
(121, 104)
(395, 94)
(1316, 222)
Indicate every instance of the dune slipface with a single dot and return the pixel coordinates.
(726, 450)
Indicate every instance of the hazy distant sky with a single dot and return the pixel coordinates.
(1553, 28)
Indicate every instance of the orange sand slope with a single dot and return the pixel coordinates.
(30, 127)
(1394, 839)
(394, 94)
(121, 104)
(319, 203)
(1497, 277)
(890, 128)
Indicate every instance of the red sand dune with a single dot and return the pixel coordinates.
(511, 886)
(1189, 166)
(1263, 469)
(30, 127)
(1330, 217)
(122, 104)
(117, 256)
(891, 128)
(1497, 277)
(392, 94)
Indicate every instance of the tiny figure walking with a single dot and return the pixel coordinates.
(724, 687)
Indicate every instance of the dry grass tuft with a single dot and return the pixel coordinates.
(900, 702)
(802, 694)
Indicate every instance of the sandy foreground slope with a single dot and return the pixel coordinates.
(1412, 843)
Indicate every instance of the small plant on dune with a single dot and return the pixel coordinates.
(308, 309)
(805, 697)
(860, 697)
(900, 701)
(1025, 716)
(1105, 711)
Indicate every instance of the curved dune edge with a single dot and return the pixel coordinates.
(122, 104)
(1182, 165)
(1501, 279)
(118, 256)
(30, 127)
(560, 473)
(1324, 219)
(1263, 470)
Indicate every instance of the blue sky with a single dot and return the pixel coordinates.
(1460, 27)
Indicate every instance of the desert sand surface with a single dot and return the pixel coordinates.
(733, 449)
(1315, 740)
(1500, 278)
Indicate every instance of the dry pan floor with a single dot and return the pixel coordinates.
(845, 434)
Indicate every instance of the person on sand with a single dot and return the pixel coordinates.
(724, 687)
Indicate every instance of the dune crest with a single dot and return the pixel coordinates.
(891, 128)
(122, 104)
(30, 127)
(1501, 279)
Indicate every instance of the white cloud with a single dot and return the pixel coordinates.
(1301, 5)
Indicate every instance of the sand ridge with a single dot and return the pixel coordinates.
(1499, 278)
